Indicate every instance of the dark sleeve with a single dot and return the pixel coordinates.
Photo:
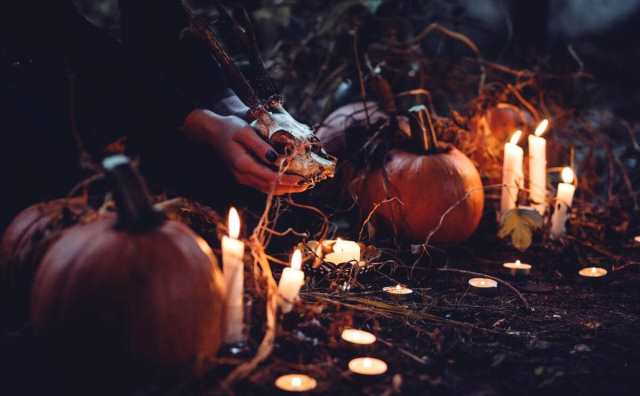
(173, 73)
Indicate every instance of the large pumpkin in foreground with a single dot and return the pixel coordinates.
(131, 296)
(24, 243)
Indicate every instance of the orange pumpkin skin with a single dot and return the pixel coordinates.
(136, 302)
(427, 186)
(24, 243)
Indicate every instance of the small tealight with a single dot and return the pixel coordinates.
(296, 383)
(637, 239)
(367, 366)
(397, 290)
(518, 269)
(593, 272)
(484, 286)
(358, 337)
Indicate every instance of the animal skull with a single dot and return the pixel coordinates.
(296, 140)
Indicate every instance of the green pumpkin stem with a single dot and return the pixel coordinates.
(135, 209)
(423, 133)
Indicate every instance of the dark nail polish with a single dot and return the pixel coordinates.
(272, 156)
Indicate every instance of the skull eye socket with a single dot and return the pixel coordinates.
(283, 142)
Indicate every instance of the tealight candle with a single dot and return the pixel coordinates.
(291, 281)
(296, 383)
(637, 239)
(358, 337)
(538, 168)
(368, 366)
(564, 199)
(483, 286)
(397, 290)
(343, 252)
(518, 269)
(512, 174)
(233, 270)
(593, 272)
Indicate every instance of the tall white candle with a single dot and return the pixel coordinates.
(564, 199)
(291, 281)
(538, 168)
(512, 174)
(343, 252)
(233, 269)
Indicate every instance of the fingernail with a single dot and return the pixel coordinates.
(272, 156)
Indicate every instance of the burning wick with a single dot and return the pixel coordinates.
(397, 290)
(296, 383)
(518, 269)
(368, 366)
(593, 272)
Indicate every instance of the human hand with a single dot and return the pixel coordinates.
(251, 160)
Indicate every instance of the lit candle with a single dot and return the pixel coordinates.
(368, 366)
(397, 290)
(343, 252)
(483, 286)
(518, 269)
(296, 383)
(233, 269)
(566, 189)
(512, 174)
(538, 168)
(593, 272)
(358, 337)
(291, 281)
(637, 239)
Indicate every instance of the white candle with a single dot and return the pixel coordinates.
(344, 252)
(538, 168)
(359, 337)
(291, 281)
(512, 174)
(296, 383)
(368, 366)
(397, 290)
(563, 202)
(483, 283)
(518, 269)
(233, 269)
(593, 272)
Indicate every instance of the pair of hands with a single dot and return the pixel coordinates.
(251, 160)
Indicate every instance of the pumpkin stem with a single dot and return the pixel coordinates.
(422, 131)
(135, 209)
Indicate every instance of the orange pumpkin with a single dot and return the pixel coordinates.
(135, 295)
(438, 190)
(23, 244)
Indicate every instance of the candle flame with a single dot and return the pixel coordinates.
(518, 262)
(234, 223)
(296, 382)
(542, 127)
(296, 259)
(567, 175)
(515, 137)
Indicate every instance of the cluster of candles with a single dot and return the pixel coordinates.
(363, 366)
(513, 179)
